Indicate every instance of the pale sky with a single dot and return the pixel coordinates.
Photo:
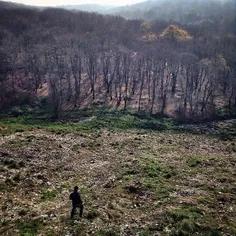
(75, 2)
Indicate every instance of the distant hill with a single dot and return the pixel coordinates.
(145, 5)
(88, 7)
(84, 7)
(217, 14)
(206, 14)
(13, 5)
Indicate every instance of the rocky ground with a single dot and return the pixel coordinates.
(131, 182)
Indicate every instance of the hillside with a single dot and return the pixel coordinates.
(210, 14)
(216, 14)
(132, 181)
(62, 60)
(14, 5)
(138, 111)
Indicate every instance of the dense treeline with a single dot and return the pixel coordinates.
(76, 59)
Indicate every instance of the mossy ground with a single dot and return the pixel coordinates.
(133, 180)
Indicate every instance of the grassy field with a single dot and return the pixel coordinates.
(137, 175)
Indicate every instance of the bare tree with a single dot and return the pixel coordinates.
(126, 70)
(76, 69)
(92, 69)
(55, 70)
(108, 70)
(141, 76)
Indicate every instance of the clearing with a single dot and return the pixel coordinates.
(132, 182)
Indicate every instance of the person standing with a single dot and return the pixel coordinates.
(76, 202)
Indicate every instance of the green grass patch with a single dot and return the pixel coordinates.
(163, 192)
(195, 161)
(208, 231)
(83, 121)
(178, 215)
(151, 169)
(29, 228)
(80, 229)
(195, 209)
(186, 227)
(3, 187)
(185, 213)
(112, 231)
(50, 233)
(131, 171)
(48, 195)
(84, 190)
(144, 233)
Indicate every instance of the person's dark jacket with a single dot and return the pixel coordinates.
(76, 199)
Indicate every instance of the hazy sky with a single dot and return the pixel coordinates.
(75, 2)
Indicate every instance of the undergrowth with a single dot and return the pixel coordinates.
(82, 122)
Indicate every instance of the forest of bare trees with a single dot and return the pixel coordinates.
(73, 60)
